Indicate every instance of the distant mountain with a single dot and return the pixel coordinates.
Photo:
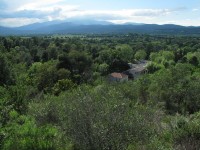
(132, 23)
(98, 27)
(8, 31)
(88, 22)
(35, 26)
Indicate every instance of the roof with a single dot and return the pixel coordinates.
(139, 67)
(118, 75)
(135, 68)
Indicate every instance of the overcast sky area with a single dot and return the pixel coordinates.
(22, 12)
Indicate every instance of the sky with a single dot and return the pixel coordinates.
(14, 13)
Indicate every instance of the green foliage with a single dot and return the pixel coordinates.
(45, 75)
(140, 55)
(103, 68)
(165, 58)
(63, 74)
(176, 88)
(22, 133)
(185, 131)
(5, 71)
(54, 93)
(52, 51)
(124, 52)
(80, 61)
(63, 85)
(193, 58)
(153, 67)
(5, 107)
(99, 118)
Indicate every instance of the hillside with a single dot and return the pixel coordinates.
(98, 28)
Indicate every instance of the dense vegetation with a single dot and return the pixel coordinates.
(54, 93)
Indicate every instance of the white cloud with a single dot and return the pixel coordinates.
(64, 12)
(47, 7)
(28, 4)
(183, 22)
(117, 14)
(22, 12)
(188, 22)
(37, 4)
(13, 22)
(195, 9)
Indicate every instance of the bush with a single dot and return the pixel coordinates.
(187, 132)
(99, 118)
(22, 133)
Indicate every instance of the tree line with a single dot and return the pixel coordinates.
(54, 93)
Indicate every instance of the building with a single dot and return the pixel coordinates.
(136, 69)
(118, 77)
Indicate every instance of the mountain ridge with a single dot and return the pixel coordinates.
(98, 27)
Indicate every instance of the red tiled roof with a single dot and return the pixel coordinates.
(118, 75)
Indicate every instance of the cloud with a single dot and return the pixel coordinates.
(184, 22)
(34, 8)
(150, 12)
(115, 14)
(22, 12)
(67, 12)
(30, 13)
(27, 4)
(13, 22)
(195, 9)
(38, 4)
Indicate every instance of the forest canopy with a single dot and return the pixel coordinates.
(55, 93)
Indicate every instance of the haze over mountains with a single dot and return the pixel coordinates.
(97, 27)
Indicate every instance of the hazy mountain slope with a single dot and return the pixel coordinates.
(89, 27)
